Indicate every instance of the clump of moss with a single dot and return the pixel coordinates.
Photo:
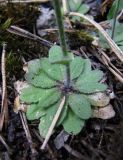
(16, 14)
(19, 13)
(79, 38)
(13, 64)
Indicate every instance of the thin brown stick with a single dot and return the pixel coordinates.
(55, 119)
(24, 33)
(27, 132)
(111, 43)
(53, 30)
(74, 152)
(5, 144)
(106, 61)
(24, 1)
(4, 105)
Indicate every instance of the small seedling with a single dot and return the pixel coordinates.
(61, 75)
(48, 85)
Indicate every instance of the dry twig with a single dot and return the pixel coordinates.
(27, 132)
(111, 43)
(4, 105)
(23, 1)
(5, 144)
(106, 61)
(23, 33)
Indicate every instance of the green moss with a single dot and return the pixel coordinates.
(18, 47)
(79, 38)
(13, 64)
(16, 14)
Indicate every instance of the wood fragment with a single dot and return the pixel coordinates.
(4, 105)
(106, 61)
(74, 152)
(27, 132)
(24, 33)
(24, 1)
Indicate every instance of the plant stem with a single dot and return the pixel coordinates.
(115, 17)
(59, 19)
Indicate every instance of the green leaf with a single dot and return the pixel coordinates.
(63, 115)
(87, 66)
(56, 55)
(90, 87)
(31, 94)
(46, 120)
(55, 71)
(45, 97)
(92, 76)
(49, 97)
(6, 24)
(77, 6)
(72, 124)
(34, 112)
(83, 9)
(88, 80)
(74, 4)
(76, 67)
(113, 9)
(80, 106)
(34, 66)
(40, 80)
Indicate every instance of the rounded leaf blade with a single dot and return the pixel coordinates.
(56, 55)
(88, 81)
(31, 94)
(34, 66)
(50, 97)
(76, 67)
(34, 112)
(72, 124)
(54, 71)
(80, 106)
(90, 87)
(40, 80)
